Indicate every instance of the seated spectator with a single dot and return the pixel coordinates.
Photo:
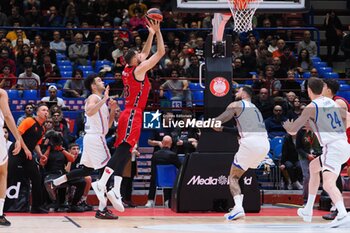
(52, 98)
(43, 51)
(137, 21)
(161, 157)
(54, 161)
(248, 59)
(116, 50)
(34, 18)
(178, 88)
(263, 56)
(48, 71)
(53, 19)
(288, 61)
(264, 103)
(97, 50)
(15, 16)
(60, 125)
(304, 62)
(28, 112)
(71, 15)
(58, 44)
(13, 35)
(280, 72)
(24, 52)
(274, 123)
(6, 135)
(296, 111)
(28, 79)
(193, 70)
(236, 51)
(88, 36)
(116, 87)
(5, 60)
(290, 163)
(308, 44)
(280, 46)
(78, 52)
(74, 88)
(7, 79)
(239, 73)
(268, 81)
(290, 83)
(272, 42)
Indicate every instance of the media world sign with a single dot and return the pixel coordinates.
(198, 180)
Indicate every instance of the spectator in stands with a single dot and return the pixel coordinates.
(24, 52)
(71, 15)
(248, 59)
(199, 48)
(137, 21)
(184, 56)
(161, 157)
(193, 70)
(304, 62)
(43, 52)
(280, 46)
(74, 87)
(97, 50)
(28, 79)
(269, 81)
(28, 112)
(239, 72)
(3, 18)
(272, 42)
(308, 44)
(345, 47)
(48, 71)
(61, 125)
(78, 52)
(290, 83)
(32, 131)
(288, 61)
(53, 19)
(116, 50)
(48, 124)
(273, 124)
(263, 56)
(334, 34)
(6, 135)
(52, 98)
(5, 60)
(264, 103)
(7, 79)
(236, 51)
(296, 110)
(58, 44)
(290, 162)
(20, 37)
(16, 17)
(102, 12)
(280, 72)
(34, 17)
(54, 160)
(88, 36)
(116, 87)
(178, 88)
(308, 148)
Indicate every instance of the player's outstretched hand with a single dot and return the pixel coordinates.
(153, 26)
(106, 93)
(287, 125)
(112, 104)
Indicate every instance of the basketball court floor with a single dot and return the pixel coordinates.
(160, 220)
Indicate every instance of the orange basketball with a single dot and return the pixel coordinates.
(155, 14)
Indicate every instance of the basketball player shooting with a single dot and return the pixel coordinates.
(136, 89)
(326, 119)
(251, 129)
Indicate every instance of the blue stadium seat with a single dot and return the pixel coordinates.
(307, 75)
(87, 72)
(276, 147)
(61, 56)
(167, 94)
(65, 68)
(320, 64)
(13, 94)
(344, 94)
(64, 63)
(66, 74)
(165, 178)
(85, 68)
(331, 75)
(195, 87)
(344, 87)
(315, 59)
(198, 98)
(30, 94)
(323, 70)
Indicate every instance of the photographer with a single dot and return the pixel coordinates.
(54, 161)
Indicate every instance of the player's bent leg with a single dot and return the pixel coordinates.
(237, 211)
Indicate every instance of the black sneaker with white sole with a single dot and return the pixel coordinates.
(105, 214)
(4, 221)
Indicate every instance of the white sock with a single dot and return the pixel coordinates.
(60, 180)
(2, 202)
(310, 203)
(238, 201)
(105, 176)
(341, 208)
(117, 183)
(102, 206)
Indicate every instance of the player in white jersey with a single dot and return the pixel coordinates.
(253, 143)
(95, 151)
(326, 119)
(6, 116)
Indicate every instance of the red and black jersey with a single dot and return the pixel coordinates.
(135, 92)
(32, 132)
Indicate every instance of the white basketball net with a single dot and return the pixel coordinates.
(242, 13)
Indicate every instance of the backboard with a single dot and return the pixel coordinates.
(277, 6)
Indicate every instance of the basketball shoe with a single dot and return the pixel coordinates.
(4, 221)
(235, 213)
(340, 221)
(116, 201)
(105, 214)
(307, 217)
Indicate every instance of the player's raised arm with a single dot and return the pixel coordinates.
(93, 104)
(148, 64)
(228, 114)
(148, 45)
(292, 127)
